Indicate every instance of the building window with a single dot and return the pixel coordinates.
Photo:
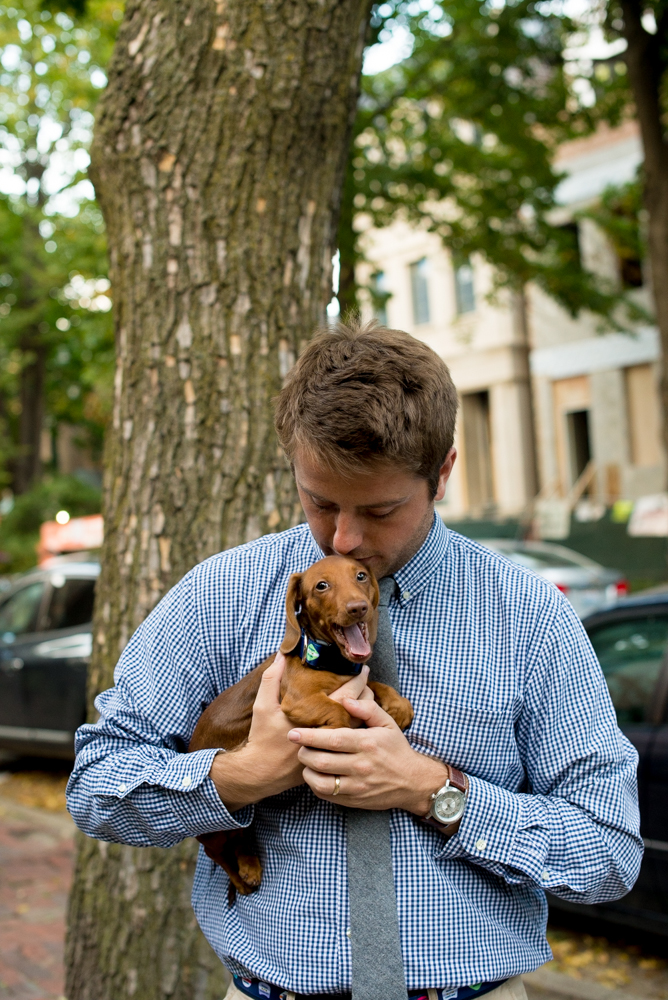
(464, 291)
(420, 291)
(572, 232)
(630, 272)
(379, 296)
(579, 447)
(478, 452)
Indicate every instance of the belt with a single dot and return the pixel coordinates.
(267, 991)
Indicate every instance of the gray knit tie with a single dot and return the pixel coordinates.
(378, 968)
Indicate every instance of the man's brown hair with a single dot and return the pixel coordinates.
(363, 394)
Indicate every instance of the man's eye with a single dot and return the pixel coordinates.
(361, 577)
(322, 585)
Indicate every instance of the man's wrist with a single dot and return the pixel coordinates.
(236, 779)
(431, 774)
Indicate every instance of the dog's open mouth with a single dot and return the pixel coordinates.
(354, 639)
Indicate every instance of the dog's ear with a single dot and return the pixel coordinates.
(292, 627)
(376, 591)
(373, 621)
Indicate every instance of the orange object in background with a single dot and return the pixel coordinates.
(78, 535)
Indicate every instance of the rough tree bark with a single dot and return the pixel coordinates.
(218, 159)
(647, 66)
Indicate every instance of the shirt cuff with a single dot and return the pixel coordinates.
(193, 798)
(507, 833)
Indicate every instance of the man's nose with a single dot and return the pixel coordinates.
(347, 536)
(357, 609)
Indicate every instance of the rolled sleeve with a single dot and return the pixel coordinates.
(577, 834)
(138, 796)
(132, 781)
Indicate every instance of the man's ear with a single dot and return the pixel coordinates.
(292, 627)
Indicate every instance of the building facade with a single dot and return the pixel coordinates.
(550, 406)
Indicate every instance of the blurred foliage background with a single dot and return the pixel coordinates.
(456, 133)
(56, 335)
(459, 137)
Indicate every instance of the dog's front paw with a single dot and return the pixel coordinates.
(402, 712)
(393, 703)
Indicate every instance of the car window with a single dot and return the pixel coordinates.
(631, 654)
(530, 561)
(551, 559)
(538, 559)
(19, 613)
(71, 603)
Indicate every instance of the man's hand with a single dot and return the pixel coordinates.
(268, 763)
(377, 766)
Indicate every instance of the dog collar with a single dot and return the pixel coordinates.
(324, 656)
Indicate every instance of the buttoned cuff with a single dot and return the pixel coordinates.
(189, 793)
(489, 823)
(195, 799)
(505, 832)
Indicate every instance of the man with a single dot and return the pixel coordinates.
(503, 681)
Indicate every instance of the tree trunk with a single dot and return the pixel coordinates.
(218, 159)
(348, 253)
(645, 60)
(28, 464)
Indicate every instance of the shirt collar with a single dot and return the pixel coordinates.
(416, 574)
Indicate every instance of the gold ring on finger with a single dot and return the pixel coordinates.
(337, 785)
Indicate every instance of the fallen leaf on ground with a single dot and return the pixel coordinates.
(36, 789)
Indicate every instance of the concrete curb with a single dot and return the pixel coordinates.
(577, 989)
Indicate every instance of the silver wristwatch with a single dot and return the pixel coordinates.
(448, 803)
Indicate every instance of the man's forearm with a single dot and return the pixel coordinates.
(143, 794)
(557, 843)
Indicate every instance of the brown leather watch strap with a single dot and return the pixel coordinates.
(458, 779)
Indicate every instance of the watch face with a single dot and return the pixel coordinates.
(448, 806)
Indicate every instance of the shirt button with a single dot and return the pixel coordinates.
(348, 931)
(545, 875)
(481, 844)
(187, 781)
(406, 595)
(122, 788)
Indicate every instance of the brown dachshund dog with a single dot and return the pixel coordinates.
(331, 627)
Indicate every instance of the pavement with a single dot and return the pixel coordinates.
(36, 865)
(546, 985)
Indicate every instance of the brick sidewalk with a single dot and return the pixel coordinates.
(36, 861)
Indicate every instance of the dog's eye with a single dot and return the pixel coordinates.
(322, 585)
(361, 577)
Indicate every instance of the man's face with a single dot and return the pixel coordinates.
(380, 517)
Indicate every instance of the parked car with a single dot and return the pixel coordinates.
(586, 584)
(45, 647)
(631, 642)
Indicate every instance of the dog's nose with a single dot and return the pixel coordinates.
(357, 609)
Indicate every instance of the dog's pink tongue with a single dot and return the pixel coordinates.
(356, 641)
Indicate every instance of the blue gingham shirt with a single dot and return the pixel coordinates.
(505, 686)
